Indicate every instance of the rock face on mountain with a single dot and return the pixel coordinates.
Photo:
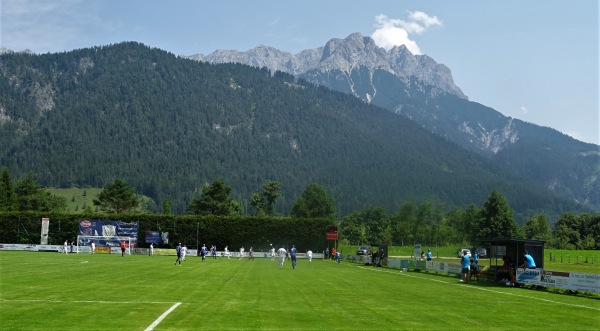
(417, 87)
(345, 55)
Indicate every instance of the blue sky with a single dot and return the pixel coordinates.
(532, 60)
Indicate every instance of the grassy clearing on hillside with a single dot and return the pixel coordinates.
(78, 199)
(53, 291)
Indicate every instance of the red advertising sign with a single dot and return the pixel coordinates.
(332, 232)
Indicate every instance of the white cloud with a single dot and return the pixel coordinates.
(395, 32)
(524, 110)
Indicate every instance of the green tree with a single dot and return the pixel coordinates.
(257, 204)
(31, 197)
(214, 200)
(402, 223)
(566, 232)
(117, 197)
(352, 229)
(538, 228)
(373, 222)
(496, 219)
(8, 196)
(167, 207)
(264, 202)
(314, 202)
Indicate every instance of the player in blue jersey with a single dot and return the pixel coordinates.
(293, 256)
(178, 250)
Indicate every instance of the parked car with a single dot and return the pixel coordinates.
(364, 250)
(481, 252)
(463, 252)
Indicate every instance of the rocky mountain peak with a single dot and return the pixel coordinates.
(353, 52)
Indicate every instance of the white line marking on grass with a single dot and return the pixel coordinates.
(162, 317)
(85, 301)
(483, 289)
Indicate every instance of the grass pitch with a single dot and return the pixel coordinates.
(51, 291)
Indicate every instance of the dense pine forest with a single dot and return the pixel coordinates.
(168, 125)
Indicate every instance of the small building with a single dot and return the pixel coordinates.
(513, 248)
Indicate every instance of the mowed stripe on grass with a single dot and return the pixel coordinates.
(52, 291)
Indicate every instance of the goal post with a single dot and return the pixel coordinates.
(104, 244)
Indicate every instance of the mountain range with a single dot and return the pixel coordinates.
(169, 125)
(417, 87)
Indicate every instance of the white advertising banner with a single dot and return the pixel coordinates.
(575, 281)
(45, 225)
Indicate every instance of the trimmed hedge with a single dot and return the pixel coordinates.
(259, 232)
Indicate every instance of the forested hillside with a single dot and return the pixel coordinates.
(167, 125)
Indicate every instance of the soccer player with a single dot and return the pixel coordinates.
(272, 250)
(241, 253)
(151, 249)
(251, 251)
(93, 247)
(227, 251)
(66, 248)
(178, 250)
(183, 252)
(203, 252)
(309, 254)
(282, 253)
(293, 255)
(122, 248)
(213, 251)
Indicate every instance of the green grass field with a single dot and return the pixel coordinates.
(52, 291)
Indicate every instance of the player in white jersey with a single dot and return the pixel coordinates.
(309, 254)
(226, 252)
(241, 253)
(183, 252)
(282, 253)
(272, 252)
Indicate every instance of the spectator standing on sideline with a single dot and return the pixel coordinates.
(333, 253)
(203, 252)
(326, 254)
(309, 254)
(528, 263)
(429, 255)
(282, 253)
(178, 250)
(93, 247)
(474, 269)
(293, 256)
(465, 263)
(476, 257)
(123, 248)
